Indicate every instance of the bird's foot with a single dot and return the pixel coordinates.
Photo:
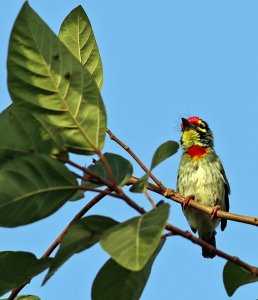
(187, 200)
(214, 211)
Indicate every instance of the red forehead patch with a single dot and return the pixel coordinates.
(193, 120)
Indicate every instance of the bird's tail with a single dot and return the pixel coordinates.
(207, 253)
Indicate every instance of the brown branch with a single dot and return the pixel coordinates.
(107, 166)
(57, 241)
(117, 189)
(173, 195)
(149, 198)
(187, 235)
(91, 174)
(105, 192)
(135, 157)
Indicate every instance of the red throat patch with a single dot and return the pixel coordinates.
(197, 151)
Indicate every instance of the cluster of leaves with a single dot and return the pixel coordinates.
(57, 109)
(55, 82)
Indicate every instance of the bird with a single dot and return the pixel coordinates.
(201, 177)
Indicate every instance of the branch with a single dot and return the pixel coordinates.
(174, 196)
(172, 229)
(107, 166)
(117, 189)
(153, 204)
(187, 235)
(135, 157)
(91, 174)
(105, 192)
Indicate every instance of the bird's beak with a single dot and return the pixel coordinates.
(186, 124)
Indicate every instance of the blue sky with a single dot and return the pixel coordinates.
(162, 61)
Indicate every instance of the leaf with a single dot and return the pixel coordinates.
(81, 235)
(24, 133)
(140, 185)
(32, 188)
(234, 276)
(45, 77)
(132, 243)
(117, 283)
(78, 195)
(17, 268)
(164, 151)
(77, 35)
(121, 168)
(25, 297)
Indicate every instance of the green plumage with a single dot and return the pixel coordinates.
(202, 176)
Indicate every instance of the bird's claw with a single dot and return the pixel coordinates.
(187, 200)
(214, 211)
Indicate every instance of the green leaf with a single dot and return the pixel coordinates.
(23, 133)
(17, 268)
(234, 276)
(32, 188)
(78, 195)
(25, 297)
(121, 168)
(117, 283)
(77, 35)
(132, 243)
(45, 77)
(140, 185)
(164, 151)
(81, 235)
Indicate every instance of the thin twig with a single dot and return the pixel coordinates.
(90, 189)
(107, 166)
(149, 198)
(91, 174)
(135, 157)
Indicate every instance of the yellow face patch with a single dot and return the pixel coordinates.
(190, 137)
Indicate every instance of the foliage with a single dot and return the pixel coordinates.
(54, 82)
(234, 276)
